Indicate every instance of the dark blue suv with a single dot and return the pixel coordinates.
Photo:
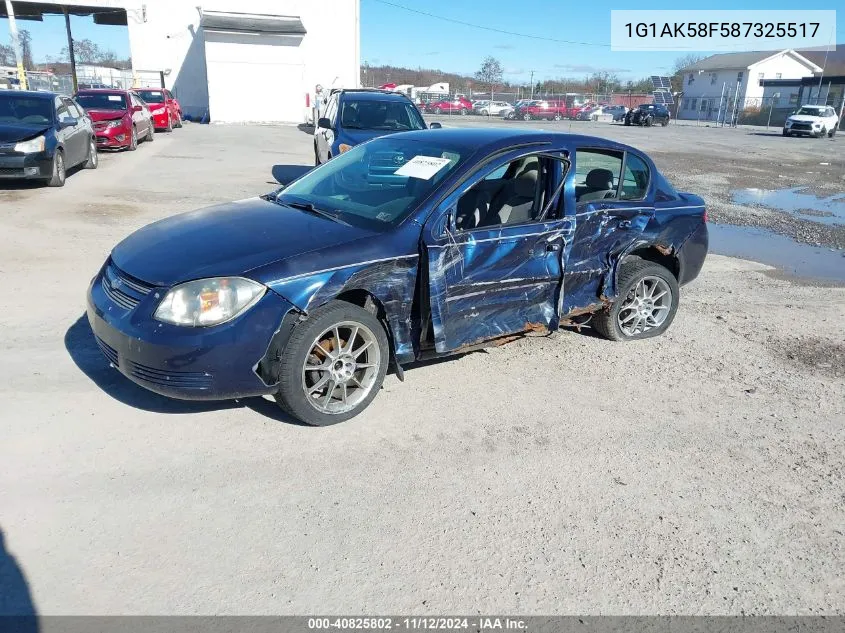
(354, 116)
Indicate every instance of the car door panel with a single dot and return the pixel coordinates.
(493, 281)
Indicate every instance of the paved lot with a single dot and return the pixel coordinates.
(701, 472)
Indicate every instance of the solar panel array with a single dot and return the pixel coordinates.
(660, 82)
(663, 97)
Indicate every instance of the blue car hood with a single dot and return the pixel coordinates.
(16, 132)
(225, 240)
(359, 136)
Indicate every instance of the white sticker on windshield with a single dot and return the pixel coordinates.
(115, 98)
(423, 167)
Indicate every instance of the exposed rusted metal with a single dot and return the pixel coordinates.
(663, 250)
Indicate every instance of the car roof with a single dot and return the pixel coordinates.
(42, 94)
(374, 95)
(104, 91)
(489, 140)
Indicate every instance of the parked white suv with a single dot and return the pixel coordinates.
(814, 120)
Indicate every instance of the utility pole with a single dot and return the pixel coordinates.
(71, 53)
(532, 79)
(16, 43)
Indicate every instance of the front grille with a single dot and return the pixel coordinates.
(181, 379)
(122, 289)
(109, 352)
(11, 171)
(802, 126)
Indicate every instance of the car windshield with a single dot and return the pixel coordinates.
(25, 110)
(101, 101)
(363, 114)
(151, 96)
(376, 184)
(810, 111)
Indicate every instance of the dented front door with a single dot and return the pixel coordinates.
(496, 280)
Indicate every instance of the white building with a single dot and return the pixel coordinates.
(736, 76)
(238, 60)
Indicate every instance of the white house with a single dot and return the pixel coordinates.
(736, 76)
(236, 60)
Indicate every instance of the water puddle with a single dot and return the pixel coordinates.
(825, 210)
(794, 258)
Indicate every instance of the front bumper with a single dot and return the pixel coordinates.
(112, 138)
(37, 165)
(189, 363)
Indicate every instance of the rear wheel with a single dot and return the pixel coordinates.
(527, 116)
(438, 110)
(57, 179)
(151, 133)
(785, 133)
(463, 111)
(665, 122)
(93, 159)
(832, 133)
(557, 116)
(333, 365)
(647, 122)
(645, 306)
(822, 133)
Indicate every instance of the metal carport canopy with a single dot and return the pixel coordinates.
(252, 23)
(37, 10)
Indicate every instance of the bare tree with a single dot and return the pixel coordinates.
(26, 49)
(490, 73)
(7, 55)
(685, 61)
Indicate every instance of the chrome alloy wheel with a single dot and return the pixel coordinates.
(341, 367)
(646, 306)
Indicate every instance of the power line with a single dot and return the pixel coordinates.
(489, 28)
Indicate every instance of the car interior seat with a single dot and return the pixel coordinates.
(514, 203)
(473, 207)
(599, 185)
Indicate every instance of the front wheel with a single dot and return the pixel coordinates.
(527, 116)
(557, 117)
(333, 365)
(665, 122)
(645, 306)
(438, 110)
(822, 133)
(647, 122)
(627, 121)
(463, 111)
(57, 178)
(133, 140)
(832, 133)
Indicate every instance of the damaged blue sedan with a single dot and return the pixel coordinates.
(410, 246)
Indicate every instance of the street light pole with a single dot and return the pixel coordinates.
(16, 43)
(532, 81)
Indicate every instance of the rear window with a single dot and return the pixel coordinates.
(151, 96)
(101, 101)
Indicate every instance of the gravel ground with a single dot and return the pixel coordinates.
(697, 473)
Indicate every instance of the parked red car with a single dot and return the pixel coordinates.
(551, 110)
(119, 117)
(458, 105)
(576, 111)
(167, 113)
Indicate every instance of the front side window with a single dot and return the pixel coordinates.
(62, 113)
(371, 114)
(75, 112)
(517, 192)
(376, 184)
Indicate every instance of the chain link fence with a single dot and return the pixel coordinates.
(729, 111)
(94, 78)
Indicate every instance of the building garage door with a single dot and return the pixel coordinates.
(254, 75)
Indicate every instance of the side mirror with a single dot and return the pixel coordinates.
(286, 174)
(434, 125)
(324, 123)
(67, 123)
(137, 108)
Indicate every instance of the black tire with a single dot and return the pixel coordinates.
(151, 133)
(665, 122)
(178, 119)
(57, 179)
(822, 133)
(627, 121)
(316, 156)
(291, 396)
(832, 133)
(463, 111)
(785, 133)
(527, 116)
(557, 117)
(133, 140)
(632, 272)
(647, 121)
(93, 160)
(438, 110)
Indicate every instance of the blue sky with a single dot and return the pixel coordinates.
(390, 35)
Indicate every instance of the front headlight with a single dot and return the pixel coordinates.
(789, 123)
(31, 146)
(209, 301)
(113, 124)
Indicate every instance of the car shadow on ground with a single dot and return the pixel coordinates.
(306, 127)
(27, 184)
(285, 174)
(83, 350)
(17, 609)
